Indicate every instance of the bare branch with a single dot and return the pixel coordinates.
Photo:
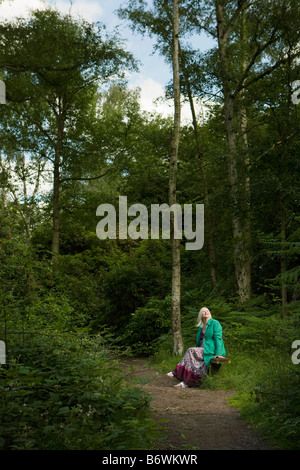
(85, 179)
(276, 144)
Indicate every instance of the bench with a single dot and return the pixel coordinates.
(216, 363)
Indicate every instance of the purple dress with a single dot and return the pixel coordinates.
(192, 368)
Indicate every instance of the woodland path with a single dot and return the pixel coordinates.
(193, 419)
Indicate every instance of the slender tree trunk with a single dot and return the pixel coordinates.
(3, 205)
(245, 163)
(283, 258)
(176, 268)
(56, 186)
(55, 216)
(25, 211)
(241, 254)
(284, 131)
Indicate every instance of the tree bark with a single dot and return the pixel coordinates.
(176, 268)
(240, 236)
(245, 162)
(284, 131)
(56, 185)
(283, 257)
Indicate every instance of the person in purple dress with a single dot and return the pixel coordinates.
(196, 361)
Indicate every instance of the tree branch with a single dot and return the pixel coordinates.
(233, 19)
(275, 145)
(257, 53)
(85, 179)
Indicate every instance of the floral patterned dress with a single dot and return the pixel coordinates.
(192, 368)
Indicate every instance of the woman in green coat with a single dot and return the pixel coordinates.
(209, 343)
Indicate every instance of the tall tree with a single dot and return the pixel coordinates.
(59, 63)
(166, 31)
(176, 284)
(244, 33)
(240, 225)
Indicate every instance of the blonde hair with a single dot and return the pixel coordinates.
(199, 320)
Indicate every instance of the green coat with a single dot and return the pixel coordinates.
(212, 341)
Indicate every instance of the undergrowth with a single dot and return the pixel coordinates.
(266, 381)
(67, 392)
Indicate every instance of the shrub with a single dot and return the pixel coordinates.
(67, 392)
(147, 325)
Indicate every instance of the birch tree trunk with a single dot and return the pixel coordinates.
(176, 269)
(240, 227)
(56, 183)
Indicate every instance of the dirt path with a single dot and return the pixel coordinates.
(194, 419)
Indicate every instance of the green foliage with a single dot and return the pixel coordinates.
(75, 281)
(147, 325)
(131, 282)
(259, 343)
(263, 373)
(56, 310)
(66, 391)
(278, 409)
(62, 388)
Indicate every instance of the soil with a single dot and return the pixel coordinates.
(192, 418)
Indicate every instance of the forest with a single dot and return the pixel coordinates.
(74, 138)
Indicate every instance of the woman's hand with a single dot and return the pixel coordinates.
(219, 356)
